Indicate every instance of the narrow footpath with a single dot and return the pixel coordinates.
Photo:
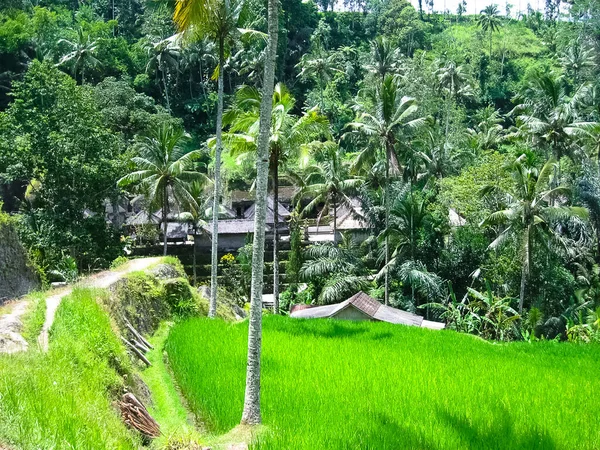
(11, 340)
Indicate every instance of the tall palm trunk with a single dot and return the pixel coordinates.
(194, 257)
(164, 79)
(387, 223)
(335, 240)
(525, 268)
(275, 161)
(165, 212)
(251, 414)
(212, 310)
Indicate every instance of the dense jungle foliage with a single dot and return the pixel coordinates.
(471, 144)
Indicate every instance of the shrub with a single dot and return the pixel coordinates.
(118, 262)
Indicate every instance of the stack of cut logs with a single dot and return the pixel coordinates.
(137, 344)
(135, 414)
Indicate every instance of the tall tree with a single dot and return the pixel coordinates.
(453, 82)
(489, 21)
(81, 55)
(251, 414)
(328, 182)
(164, 171)
(531, 215)
(163, 55)
(383, 116)
(384, 57)
(217, 20)
(288, 133)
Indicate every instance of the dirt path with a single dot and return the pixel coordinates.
(101, 280)
(11, 340)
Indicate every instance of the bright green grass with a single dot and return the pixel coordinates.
(62, 399)
(33, 320)
(341, 385)
(166, 408)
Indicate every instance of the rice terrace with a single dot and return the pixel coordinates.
(299, 225)
(340, 385)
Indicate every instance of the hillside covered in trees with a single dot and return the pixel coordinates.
(466, 146)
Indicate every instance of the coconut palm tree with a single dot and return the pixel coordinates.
(454, 84)
(382, 118)
(531, 215)
(320, 66)
(384, 57)
(251, 414)
(81, 54)
(164, 171)
(217, 20)
(489, 21)
(328, 182)
(288, 133)
(341, 266)
(549, 118)
(197, 213)
(163, 55)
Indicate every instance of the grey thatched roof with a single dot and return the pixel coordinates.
(282, 211)
(143, 218)
(233, 226)
(177, 230)
(370, 307)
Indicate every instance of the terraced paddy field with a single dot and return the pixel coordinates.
(342, 385)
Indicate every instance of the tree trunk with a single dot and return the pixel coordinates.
(194, 258)
(387, 222)
(164, 78)
(212, 310)
(335, 241)
(275, 161)
(525, 268)
(522, 291)
(165, 212)
(251, 414)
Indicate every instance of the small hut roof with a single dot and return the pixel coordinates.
(350, 217)
(143, 218)
(282, 211)
(233, 226)
(370, 307)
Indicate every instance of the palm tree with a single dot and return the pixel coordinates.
(218, 21)
(251, 414)
(341, 266)
(163, 171)
(489, 21)
(328, 182)
(531, 215)
(453, 82)
(577, 59)
(288, 133)
(162, 55)
(384, 57)
(382, 119)
(549, 117)
(488, 133)
(197, 213)
(320, 66)
(81, 54)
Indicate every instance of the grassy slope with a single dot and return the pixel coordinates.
(61, 399)
(33, 320)
(166, 408)
(339, 385)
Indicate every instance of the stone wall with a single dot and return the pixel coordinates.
(16, 275)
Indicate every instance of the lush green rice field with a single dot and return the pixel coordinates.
(340, 385)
